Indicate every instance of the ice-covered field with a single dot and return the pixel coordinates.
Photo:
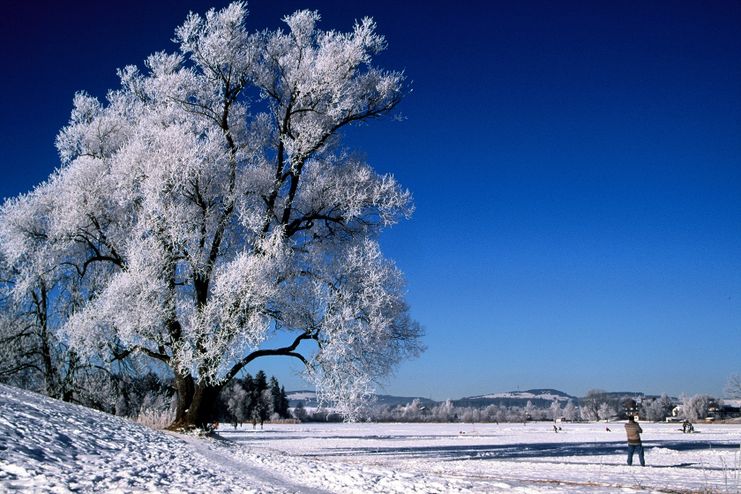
(497, 458)
(48, 446)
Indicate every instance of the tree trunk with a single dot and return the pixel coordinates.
(50, 381)
(203, 409)
(196, 405)
(184, 388)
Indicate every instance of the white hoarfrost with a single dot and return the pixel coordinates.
(207, 205)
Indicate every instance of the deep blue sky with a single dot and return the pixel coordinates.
(575, 167)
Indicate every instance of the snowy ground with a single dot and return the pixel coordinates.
(47, 446)
(496, 458)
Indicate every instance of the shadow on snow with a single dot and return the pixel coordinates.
(525, 451)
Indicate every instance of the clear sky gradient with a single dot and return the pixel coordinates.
(575, 166)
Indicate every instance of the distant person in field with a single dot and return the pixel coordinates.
(634, 440)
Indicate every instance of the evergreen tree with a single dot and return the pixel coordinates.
(275, 395)
(261, 399)
(249, 386)
(278, 398)
(283, 403)
(261, 381)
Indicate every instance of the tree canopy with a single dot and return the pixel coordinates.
(207, 206)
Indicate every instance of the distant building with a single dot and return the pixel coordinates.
(630, 407)
(724, 409)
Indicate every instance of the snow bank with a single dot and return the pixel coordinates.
(50, 446)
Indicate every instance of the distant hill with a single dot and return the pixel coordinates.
(539, 397)
(308, 398)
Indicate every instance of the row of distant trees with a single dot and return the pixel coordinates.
(656, 409)
(596, 405)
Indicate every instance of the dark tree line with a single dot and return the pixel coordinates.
(253, 399)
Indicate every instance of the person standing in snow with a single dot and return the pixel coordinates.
(634, 440)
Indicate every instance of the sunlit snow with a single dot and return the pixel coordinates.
(49, 446)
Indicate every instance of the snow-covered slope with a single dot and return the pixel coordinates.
(309, 399)
(532, 394)
(50, 446)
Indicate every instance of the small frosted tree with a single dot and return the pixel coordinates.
(490, 413)
(208, 205)
(239, 402)
(529, 411)
(412, 411)
(444, 412)
(590, 404)
(570, 411)
(733, 386)
(605, 411)
(555, 410)
(299, 412)
(264, 406)
(587, 413)
(695, 407)
(657, 409)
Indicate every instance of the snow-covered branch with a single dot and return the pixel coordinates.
(206, 205)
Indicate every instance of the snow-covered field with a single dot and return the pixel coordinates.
(48, 446)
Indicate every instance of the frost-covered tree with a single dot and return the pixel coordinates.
(587, 413)
(590, 404)
(529, 411)
(207, 207)
(606, 411)
(412, 412)
(471, 415)
(570, 411)
(696, 407)
(733, 386)
(445, 412)
(299, 412)
(238, 402)
(657, 409)
(27, 344)
(37, 293)
(490, 413)
(555, 410)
